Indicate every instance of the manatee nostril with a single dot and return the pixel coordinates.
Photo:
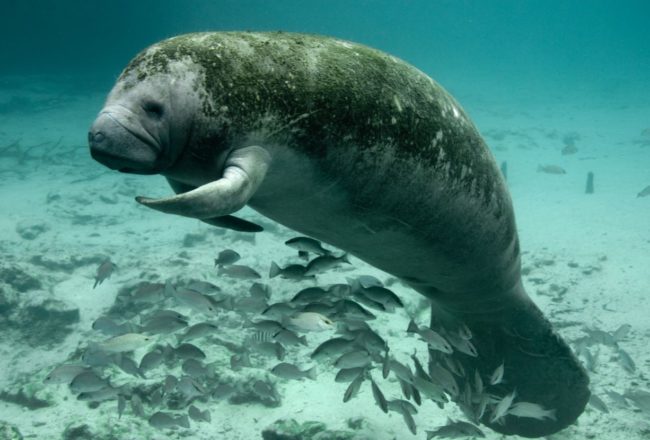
(95, 138)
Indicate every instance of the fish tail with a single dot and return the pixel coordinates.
(312, 373)
(275, 270)
(413, 327)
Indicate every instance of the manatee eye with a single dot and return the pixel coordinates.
(154, 109)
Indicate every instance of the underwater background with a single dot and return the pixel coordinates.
(558, 89)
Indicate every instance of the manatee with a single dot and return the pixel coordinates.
(358, 149)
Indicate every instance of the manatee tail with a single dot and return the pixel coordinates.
(537, 363)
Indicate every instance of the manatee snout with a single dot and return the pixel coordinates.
(123, 146)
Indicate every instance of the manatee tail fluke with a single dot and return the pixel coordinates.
(536, 363)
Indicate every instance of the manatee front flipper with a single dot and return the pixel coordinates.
(244, 171)
(234, 223)
(538, 365)
(226, 222)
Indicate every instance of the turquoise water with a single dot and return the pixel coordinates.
(558, 90)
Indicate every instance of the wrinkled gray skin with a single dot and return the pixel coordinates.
(360, 150)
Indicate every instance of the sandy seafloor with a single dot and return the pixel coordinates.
(596, 246)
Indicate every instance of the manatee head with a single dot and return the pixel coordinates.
(148, 116)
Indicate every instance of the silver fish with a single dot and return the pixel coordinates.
(430, 389)
(87, 381)
(194, 368)
(461, 344)
(598, 403)
(151, 360)
(239, 271)
(278, 310)
(309, 295)
(163, 325)
(497, 375)
(224, 390)
(368, 281)
(148, 293)
(189, 351)
(501, 409)
(267, 326)
(309, 322)
(401, 406)
(136, 406)
(435, 341)
(198, 331)
(202, 286)
(325, 263)
(164, 313)
(196, 301)
(617, 398)
(626, 361)
(287, 337)
(379, 294)
(197, 415)
(370, 340)
(289, 371)
(271, 349)
(347, 309)
(410, 422)
(402, 371)
(332, 347)
(190, 388)
(531, 410)
(129, 366)
(353, 359)
(307, 244)
(170, 383)
(349, 374)
(640, 398)
(455, 429)
(622, 332)
(126, 342)
(289, 272)
(100, 395)
(64, 374)
(550, 169)
(109, 327)
(444, 378)
(226, 257)
(353, 389)
(380, 400)
(259, 290)
(104, 271)
(162, 420)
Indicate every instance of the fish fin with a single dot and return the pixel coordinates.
(312, 373)
(233, 223)
(413, 327)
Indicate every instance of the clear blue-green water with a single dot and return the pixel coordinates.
(558, 90)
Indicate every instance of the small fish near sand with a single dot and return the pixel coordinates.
(550, 169)
(122, 343)
(289, 371)
(104, 272)
(644, 192)
(306, 244)
(309, 322)
(239, 271)
(454, 429)
(226, 258)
